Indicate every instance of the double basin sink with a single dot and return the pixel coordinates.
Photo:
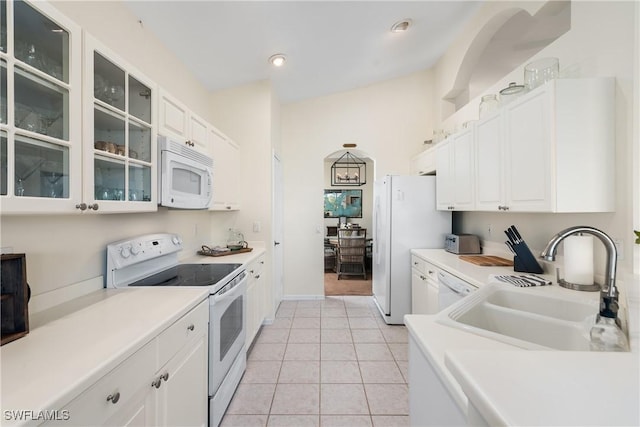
(524, 317)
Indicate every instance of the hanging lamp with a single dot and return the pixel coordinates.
(348, 170)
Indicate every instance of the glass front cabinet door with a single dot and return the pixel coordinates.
(119, 134)
(40, 109)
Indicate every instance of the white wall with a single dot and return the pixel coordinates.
(389, 121)
(599, 43)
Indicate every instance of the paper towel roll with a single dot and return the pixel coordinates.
(578, 259)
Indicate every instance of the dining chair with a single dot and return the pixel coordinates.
(351, 254)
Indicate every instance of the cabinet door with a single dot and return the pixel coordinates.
(444, 172)
(120, 134)
(489, 157)
(172, 117)
(463, 166)
(226, 172)
(40, 110)
(198, 134)
(424, 163)
(182, 398)
(528, 168)
(419, 296)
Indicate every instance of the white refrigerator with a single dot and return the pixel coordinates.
(404, 218)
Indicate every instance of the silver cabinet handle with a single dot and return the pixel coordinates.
(113, 398)
(93, 206)
(164, 376)
(81, 206)
(191, 327)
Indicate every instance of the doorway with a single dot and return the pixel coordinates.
(350, 206)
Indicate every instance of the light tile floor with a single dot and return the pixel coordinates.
(329, 363)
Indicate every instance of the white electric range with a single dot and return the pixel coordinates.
(152, 260)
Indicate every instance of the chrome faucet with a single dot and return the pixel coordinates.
(608, 290)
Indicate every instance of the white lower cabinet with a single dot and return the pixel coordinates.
(430, 403)
(163, 383)
(256, 299)
(424, 286)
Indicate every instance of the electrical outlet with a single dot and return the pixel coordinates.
(256, 226)
(619, 245)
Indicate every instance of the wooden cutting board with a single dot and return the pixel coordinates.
(487, 260)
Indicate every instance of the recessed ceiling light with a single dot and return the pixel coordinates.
(277, 60)
(401, 26)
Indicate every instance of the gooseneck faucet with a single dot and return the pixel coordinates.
(609, 291)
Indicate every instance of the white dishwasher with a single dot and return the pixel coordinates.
(451, 289)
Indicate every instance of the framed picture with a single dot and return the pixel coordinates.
(342, 203)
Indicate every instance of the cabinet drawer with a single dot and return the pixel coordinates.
(255, 269)
(189, 326)
(431, 271)
(418, 263)
(113, 391)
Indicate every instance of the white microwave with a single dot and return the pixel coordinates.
(185, 178)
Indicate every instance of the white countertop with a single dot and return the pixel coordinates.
(84, 340)
(514, 386)
(550, 388)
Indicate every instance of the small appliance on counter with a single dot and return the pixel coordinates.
(462, 244)
(14, 295)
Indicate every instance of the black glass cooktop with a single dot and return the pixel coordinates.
(189, 275)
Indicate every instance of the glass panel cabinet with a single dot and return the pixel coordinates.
(119, 122)
(40, 109)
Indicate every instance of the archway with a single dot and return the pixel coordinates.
(505, 41)
(362, 220)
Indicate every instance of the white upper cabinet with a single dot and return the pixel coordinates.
(424, 163)
(226, 172)
(489, 160)
(455, 172)
(550, 151)
(177, 121)
(40, 109)
(120, 152)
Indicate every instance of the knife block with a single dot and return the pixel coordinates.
(521, 268)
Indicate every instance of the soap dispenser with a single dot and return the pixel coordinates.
(606, 335)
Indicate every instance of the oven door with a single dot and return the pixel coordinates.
(227, 329)
(184, 183)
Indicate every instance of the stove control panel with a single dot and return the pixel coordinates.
(139, 255)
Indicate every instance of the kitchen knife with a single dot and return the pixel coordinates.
(510, 235)
(510, 246)
(514, 230)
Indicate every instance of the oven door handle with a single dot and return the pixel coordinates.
(230, 292)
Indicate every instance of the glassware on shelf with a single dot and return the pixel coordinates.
(540, 71)
(488, 104)
(510, 93)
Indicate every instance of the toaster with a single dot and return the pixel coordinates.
(462, 244)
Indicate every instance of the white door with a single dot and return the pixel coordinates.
(277, 215)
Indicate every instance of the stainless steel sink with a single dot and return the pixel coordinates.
(523, 318)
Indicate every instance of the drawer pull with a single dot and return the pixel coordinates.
(430, 271)
(191, 327)
(113, 398)
(158, 382)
